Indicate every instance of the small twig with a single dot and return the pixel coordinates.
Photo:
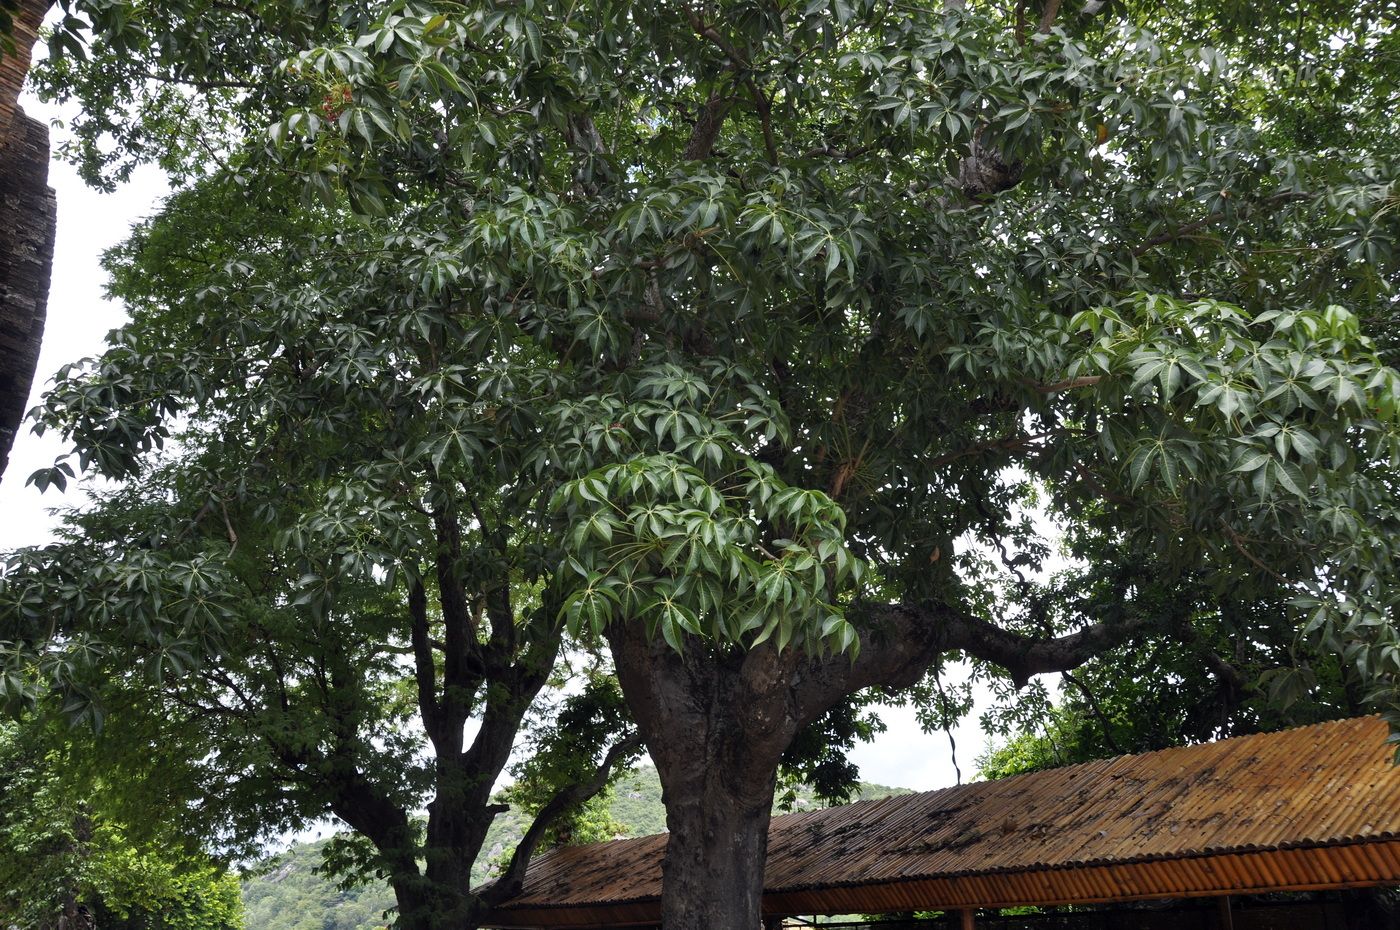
(1097, 711)
(947, 724)
(1196, 225)
(830, 151)
(228, 525)
(513, 876)
(1238, 542)
(1069, 384)
(211, 84)
(1088, 475)
(1012, 443)
(765, 117)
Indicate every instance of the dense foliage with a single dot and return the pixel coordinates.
(74, 845)
(748, 337)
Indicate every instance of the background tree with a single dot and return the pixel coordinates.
(304, 693)
(739, 333)
(342, 635)
(73, 852)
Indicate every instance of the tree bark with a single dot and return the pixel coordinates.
(716, 727)
(713, 871)
(423, 906)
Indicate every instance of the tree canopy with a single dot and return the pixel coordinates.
(774, 345)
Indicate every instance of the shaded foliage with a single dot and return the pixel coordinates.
(73, 847)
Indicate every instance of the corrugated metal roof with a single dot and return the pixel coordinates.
(1313, 807)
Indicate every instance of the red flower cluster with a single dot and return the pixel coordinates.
(335, 101)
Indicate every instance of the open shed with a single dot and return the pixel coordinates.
(1311, 809)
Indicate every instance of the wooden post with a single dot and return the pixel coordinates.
(968, 919)
(1227, 919)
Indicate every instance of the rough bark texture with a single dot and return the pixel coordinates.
(716, 728)
(27, 216)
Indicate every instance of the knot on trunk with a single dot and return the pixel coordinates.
(985, 173)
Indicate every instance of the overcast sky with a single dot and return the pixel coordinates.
(79, 318)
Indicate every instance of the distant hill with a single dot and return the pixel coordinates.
(288, 893)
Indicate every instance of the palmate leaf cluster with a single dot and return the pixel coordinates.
(697, 540)
(219, 667)
(722, 319)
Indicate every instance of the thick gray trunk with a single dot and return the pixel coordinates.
(717, 725)
(712, 876)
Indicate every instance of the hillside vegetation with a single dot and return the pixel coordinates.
(288, 893)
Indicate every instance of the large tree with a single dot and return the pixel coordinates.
(752, 338)
(334, 632)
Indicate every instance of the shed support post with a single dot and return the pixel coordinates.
(969, 921)
(1227, 918)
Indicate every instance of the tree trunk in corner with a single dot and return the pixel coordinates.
(423, 906)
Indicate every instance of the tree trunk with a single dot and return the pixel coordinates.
(716, 730)
(717, 721)
(713, 871)
(418, 904)
(427, 905)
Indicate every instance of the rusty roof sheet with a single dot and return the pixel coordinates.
(1329, 785)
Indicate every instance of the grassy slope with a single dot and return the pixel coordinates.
(290, 895)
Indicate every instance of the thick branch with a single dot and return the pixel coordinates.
(708, 124)
(1026, 656)
(361, 805)
(900, 641)
(508, 696)
(459, 628)
(497, 599)
(582, 136)
(984, 173)
(424, 669)
(740, 63)
(566, 799)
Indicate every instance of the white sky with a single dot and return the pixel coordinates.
(79, 318)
